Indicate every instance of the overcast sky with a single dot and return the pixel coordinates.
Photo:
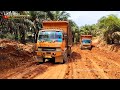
(89, 17)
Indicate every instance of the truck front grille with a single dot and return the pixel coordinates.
(48, 52)
(48, 49)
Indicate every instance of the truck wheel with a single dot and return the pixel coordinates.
(90, 48)
(81, 48)
(69, 51)
(64, 58)
(53, 60)
(63, 61)
(43, 61)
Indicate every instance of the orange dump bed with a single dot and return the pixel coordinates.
(86, 37)
(62, 25)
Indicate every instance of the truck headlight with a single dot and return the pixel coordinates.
(58, 49)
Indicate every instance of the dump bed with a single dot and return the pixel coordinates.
(86, 37)
(62, 25)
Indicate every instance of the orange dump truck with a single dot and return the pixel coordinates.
(54, 41)
(86, 42)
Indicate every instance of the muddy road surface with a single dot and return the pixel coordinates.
(82, 64)
(93, 64)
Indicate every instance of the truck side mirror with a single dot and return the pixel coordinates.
(64, 37)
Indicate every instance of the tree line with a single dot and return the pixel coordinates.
(108, 27)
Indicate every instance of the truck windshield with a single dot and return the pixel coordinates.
(86, 41)
(50, 36)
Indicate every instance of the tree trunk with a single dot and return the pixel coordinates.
(23, 37)
(16, 34)
(22, 34)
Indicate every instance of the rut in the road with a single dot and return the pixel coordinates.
(27, 71)
(91, 65)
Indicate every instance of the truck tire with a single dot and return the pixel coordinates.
(53, 60)
(65, 58)
(43, 61)
(90, 48)
(69, 51)
(63, 61)
(81, 48)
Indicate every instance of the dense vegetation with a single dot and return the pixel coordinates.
(108, 27)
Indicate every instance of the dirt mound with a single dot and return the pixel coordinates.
(13, 54)
(107, 47)
(99, 43)
(75, 55)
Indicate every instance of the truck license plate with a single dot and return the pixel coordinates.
(48, 56)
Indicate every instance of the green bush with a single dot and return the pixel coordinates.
(10, 36)
(2, 36)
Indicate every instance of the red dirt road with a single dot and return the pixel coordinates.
(94, 64)
(83, 64)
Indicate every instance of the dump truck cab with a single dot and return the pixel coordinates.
(52, 42)
(86, 42)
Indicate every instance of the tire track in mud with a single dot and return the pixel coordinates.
(37, 71)
(33, 73)
(52, 73)
(112, 60)
(57, 71)
(108, 62)
(88, 70)
(83, 72)
(22, 75)
(18, 70)
(28, 72)
(69, 71)
(99, 71)
(88, 67)
(111, 69)
(62, 72)
(45, 74)
(80, 69)
(85, 68)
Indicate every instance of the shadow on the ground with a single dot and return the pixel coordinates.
(75, 55)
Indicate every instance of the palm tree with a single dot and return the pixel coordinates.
(59, 15)
(75, 29)
(111, 24)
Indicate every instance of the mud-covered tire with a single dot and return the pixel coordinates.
(63, 62)
(40, 62)
(81, 48)
(43, 61)
(68, 54)
(69, 51)
(90, 48)
(65, 57)
(53, 60)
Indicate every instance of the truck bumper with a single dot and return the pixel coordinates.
(44, 54)
(85, 47)
(39, 59)
(58, 56)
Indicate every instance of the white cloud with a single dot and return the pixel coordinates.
(89, 17)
